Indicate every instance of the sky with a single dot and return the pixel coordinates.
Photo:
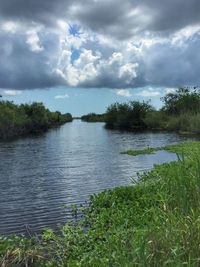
(80, 56)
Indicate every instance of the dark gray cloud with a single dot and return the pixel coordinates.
(161, 65)
(20, 68)
(125, 19)
(32, 57)
(173, 15)
(120, 19)
(45, 11)
(173, 66)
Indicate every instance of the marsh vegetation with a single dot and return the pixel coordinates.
(180, 113)
(154, 222)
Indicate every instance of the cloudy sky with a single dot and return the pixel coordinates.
(80, 56)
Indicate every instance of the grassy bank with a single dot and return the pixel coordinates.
(186, 123)
(17, 120)
(180, 113)
(155, 222)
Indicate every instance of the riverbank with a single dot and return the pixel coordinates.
(152, 223)
(180, 113)
(19, 120)
(92, 117)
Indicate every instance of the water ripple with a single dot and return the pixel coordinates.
(40, 175)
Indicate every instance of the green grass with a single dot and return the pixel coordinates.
(145, 151)
(155, 222)
(183, 149)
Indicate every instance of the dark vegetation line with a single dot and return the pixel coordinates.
(180, 112)
(17, 120)
(154, 222)
(93, 117)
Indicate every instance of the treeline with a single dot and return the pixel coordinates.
(93, 117)
(16, 120)
(180, 112)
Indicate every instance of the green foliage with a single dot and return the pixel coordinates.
(141, 151)
(183, 149)
(22, 119)
(93, 117)
(184, 123)
(128, 115)
(153, 223)
(156, 120)
(183, 100)
(181, 113)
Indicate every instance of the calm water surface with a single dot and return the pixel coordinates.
(40, 175)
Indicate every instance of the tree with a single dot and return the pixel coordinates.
(183, 100)
(128, 115)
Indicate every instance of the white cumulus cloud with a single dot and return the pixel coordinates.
(61, 96)
(10, 92)
(71, 43)
(170, 90)
(149, 93)
(34, 42)
(124, 93)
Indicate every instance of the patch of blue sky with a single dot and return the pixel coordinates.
(74, 30)
(75, 54)
(79, 101)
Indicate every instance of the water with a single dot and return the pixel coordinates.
(39, 175)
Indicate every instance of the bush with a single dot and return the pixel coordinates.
(17, 120)
(128, 115)
(155, 120)
(182, 101)
(93, 117)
